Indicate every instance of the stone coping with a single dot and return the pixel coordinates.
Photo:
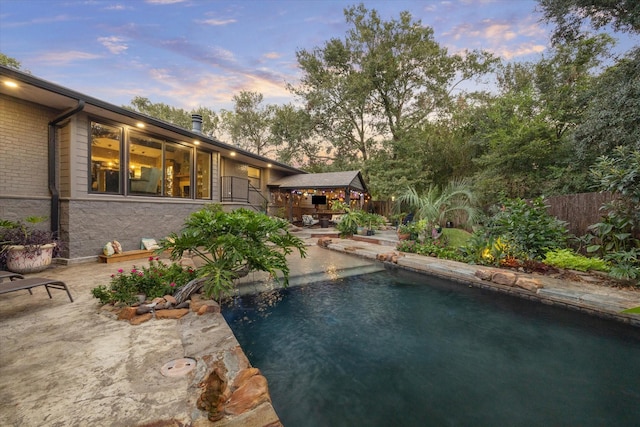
(589, 298)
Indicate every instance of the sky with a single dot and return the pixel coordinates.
(191, 53)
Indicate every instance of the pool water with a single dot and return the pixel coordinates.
(402, 349)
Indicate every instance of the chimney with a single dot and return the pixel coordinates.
(196, 123)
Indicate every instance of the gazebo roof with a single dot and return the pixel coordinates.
(350, 179)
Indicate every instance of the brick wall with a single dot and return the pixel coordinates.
(23, 148)
(94, 223)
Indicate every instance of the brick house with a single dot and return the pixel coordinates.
(100, 172)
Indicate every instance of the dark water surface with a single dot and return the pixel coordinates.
(402, 349)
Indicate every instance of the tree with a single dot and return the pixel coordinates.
(526, 133)
(249, 122)
(411, 75)
(177, 116)
(338, 99)
(570, 15)
(612, 114)
(439, 204)
(7, 61)
(371, 93)
(291, 132)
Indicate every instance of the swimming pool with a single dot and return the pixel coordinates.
(402, 349)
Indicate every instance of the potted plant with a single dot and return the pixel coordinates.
(24, 248)
(411, 230)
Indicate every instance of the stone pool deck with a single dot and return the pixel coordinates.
(71, 364)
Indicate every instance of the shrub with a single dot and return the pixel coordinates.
(234, 244)
(436, 248)
(566, 258)
(157, 280)
(526, 229)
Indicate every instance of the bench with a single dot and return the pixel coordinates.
(33, 282)
(126, 256)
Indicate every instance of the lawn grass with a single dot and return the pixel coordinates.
(456, 237)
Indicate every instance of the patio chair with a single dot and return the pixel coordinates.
(9, 275)
(308, 221)
(16, 282)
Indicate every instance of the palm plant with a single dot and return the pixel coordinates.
(437, 204)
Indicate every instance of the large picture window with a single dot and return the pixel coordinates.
(106, 150)
(152, 165)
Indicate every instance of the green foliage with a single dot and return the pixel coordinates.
(525, 230)
(174, 115)
(438, 248)
(612, 112)
(348, 225)
(436, 205)
(570, 16)
(626, 264)
(413, 228)
(566, 258)
(10, 62)
(484, 249)
(233, 244)
(372, 93)
(248, 124)
(614, 233)
(615, 237)
(156, 280)
(634, 310)
(353, 219)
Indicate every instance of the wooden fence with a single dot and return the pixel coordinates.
(578, 210)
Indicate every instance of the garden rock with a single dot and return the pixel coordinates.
(249, 395)
(144, 308)
(127, 313)
(484, 274)
(529, 284)
(141, 319)
(171, 314)
(504, 278)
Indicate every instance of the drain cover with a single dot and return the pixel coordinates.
(178, 367)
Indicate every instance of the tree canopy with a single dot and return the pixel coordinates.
(569, 16)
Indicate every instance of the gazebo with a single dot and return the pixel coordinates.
(314, 194)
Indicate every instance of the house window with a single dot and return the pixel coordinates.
(106, 150)
(254, 176)
(203, 175)
(177, 170)
(145, 164)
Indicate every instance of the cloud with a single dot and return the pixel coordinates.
(164, 1)
(216, 22)
(115, 44)
(272, 55)
(520, 50)
(63, 58)
(38, 21)
(116, 7)
(508, 39)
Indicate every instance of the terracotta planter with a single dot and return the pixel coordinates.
(19, 260)
(404, 236)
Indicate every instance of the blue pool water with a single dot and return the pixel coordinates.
(402, 349)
